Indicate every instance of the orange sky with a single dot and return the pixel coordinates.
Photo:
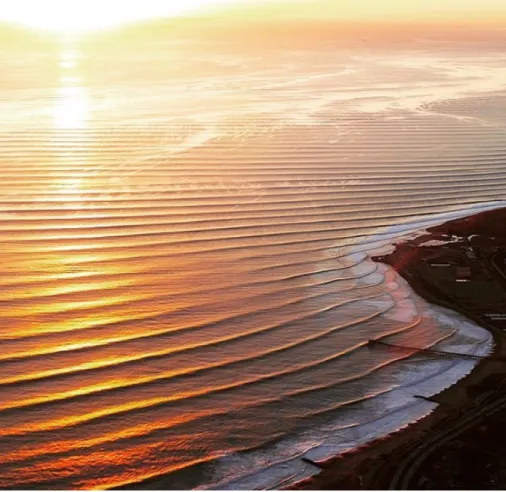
(469, 10)
(77, 15)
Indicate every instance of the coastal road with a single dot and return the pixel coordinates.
(498, 265)
(411, 464)
(398, 470)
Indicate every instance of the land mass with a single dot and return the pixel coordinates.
(460, 265)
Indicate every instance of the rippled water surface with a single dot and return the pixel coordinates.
(186, 289)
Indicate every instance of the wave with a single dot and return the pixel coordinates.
(187, 296)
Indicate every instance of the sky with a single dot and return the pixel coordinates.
(83, 15)
(411, 10)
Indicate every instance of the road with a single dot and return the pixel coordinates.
(408, 468)
(495, 260)
(398, 470)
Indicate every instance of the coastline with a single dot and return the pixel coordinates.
(330, 468)
(373, 466)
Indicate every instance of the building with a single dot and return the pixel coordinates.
(463, 273)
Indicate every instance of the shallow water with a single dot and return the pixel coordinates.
(185, 274)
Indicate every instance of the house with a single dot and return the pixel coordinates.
(463, 273)
(470, 253)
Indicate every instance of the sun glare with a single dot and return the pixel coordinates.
(77, 16)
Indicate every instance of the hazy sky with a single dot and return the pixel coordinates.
(386, 9)
(90, 14)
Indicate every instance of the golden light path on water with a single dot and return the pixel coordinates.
(187, 291)
(71, 113)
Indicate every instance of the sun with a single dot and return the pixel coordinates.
(78, 16)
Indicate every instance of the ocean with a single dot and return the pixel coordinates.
(186, 233)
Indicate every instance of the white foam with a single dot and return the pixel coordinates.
(383, 414)
(405, 311)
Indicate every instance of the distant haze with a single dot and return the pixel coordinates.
(61, 15)
(408, 10)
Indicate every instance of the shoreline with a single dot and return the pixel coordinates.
(372, 466)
